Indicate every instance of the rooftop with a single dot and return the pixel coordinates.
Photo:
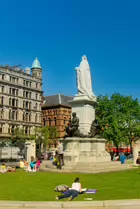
(58, 99)
(36, 64)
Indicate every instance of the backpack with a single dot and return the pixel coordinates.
(61, 188)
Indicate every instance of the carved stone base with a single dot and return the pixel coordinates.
(85, 111)
(85, 150)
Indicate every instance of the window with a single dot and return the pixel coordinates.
(0, 128)
(44, 122)
(27, 94)
(13, 102)
(2, 89)
(27, 83)
(16, 115)
(13, 92)
(26, 130)
(30, 105)
(23, 116)
(36, 85)
(12, 130)
(29, 117)
(9, 130)
(36, 106)
(17, 92)
(14, 79)
(10, 78)
(24, 94)
(30, 84)
(26, 117)
(17, 103)
(65, 121)
(23, 104)
(2, 100)
(10, 114)
(3, 76)
(30, 95)
(24, 82)
(49, 121)
(17, 80)
(13, 115)
(1, 113)
(36, 118)
(10, 102)
(55, 121)
(26, 106)
(10, 91)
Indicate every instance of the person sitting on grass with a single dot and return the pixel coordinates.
(21, 164)
(138, 161)
(73, 192)
(33, 163)
(3, 168)
(37, 164)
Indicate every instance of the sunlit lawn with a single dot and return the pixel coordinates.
(40, 186)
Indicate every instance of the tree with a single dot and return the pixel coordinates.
(119, 117)
(44, 136)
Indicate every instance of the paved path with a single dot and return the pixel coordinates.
(116, 204)
(115, 207)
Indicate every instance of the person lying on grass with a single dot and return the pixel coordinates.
(73, 192)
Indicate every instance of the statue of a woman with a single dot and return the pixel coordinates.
(84, 83)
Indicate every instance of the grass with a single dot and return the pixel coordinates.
(40, 186)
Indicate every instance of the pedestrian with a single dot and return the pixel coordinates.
(60, 153)
(73, 192)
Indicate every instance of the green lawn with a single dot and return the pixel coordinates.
(40, 186)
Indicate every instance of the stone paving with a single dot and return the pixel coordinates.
(112, 204)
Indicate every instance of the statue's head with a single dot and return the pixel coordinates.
(84, 57)
(74, 114)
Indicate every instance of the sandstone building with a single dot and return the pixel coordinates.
(20, 99)
(56, 111)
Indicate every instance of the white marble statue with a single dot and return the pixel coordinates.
(84, 83)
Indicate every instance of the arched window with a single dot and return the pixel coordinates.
(2, 100)
(30, 105)
(49, 121)
(26, 116)
(23, 116)
(55, 121)
(44, 122)
(17, 115)
(65, 121)
(13, 102)
(26, 106)
(36, 118)
(10, 102)
(30, 117)
(17, 103)
(13, 115)
(10, 114)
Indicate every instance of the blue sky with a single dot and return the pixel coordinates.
(59, 32)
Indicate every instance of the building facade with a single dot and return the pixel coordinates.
(56, 112)
(20, 99)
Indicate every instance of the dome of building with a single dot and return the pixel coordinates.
(36, 64)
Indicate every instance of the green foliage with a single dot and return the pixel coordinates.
(119, 117)
(18, 135)
(45, 135)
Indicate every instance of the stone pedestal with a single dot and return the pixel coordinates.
(85, 150)
(136, 151)
(85, 111)
(30, 149)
